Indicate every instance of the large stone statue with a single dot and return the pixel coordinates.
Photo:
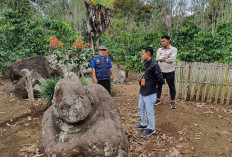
(83, 122)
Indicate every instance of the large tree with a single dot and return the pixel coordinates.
(97, 19)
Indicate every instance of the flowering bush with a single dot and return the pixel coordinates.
(55, 43)
(77, 58)
(78, 44)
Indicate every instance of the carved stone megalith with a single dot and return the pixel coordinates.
(83, 122)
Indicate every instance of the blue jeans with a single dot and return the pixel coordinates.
(146, 104)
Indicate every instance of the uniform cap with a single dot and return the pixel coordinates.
(102, 48)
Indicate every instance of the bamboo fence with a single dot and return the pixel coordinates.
(206, 82)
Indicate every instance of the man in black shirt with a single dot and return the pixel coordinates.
(152, 77)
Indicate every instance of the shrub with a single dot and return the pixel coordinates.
(20, 37)
(127, 48)
(48, 88)
(86, 80)
(196, 46)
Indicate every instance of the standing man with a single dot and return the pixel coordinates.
(102, 69)
(166, 57)
(152, 76)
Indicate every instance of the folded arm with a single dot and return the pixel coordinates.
(172, 58)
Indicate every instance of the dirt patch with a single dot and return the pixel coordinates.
(21, 138)
(193, 129)
(20, 128)
(10, 106)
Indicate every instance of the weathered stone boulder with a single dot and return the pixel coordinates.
(119, 74)
(40, 70)
(37, 63)
(20, 88)
(9, 89)
(83, 122)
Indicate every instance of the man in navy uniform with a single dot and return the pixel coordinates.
(102, 69)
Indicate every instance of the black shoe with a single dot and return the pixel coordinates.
(140, 127)
(173, 105)
(157, 102)
(148, 132)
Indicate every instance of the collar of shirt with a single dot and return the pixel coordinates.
(169, 47)
(98, 56)
(146, 64)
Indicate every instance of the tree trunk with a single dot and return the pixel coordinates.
(97, 22)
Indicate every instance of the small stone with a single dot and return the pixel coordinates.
(179, 146)
(29, 118)
(26, 124)
(164, 136)
(181, 139)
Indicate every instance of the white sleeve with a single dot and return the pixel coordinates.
(172, 58)
(158, 56)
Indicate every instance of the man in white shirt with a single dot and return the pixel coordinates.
(166, 57)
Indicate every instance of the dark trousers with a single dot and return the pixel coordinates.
(170, 79)
(105, 84)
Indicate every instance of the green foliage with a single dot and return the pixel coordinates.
(197, 46)
(193, 45)
(105, 3)
(23, 7)
(127, 48)
(133, 9)
(48, 88)
(86, 80)
(20, 38)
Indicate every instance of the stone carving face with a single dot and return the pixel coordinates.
(70, 101)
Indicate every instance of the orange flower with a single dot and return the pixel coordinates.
(55, 43)
(78, 44)
(61, 44)
(88, 44)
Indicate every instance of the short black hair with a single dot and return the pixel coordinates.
(149, 49)
(165, 37)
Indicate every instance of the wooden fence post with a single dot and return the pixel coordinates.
(218, 80)
(224, 79)
(229, 85)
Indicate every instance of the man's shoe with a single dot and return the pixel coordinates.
(173, 105)
(140, 127)
(157, 102)
(148, 132)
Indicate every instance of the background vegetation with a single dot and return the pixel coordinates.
(200, 29)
